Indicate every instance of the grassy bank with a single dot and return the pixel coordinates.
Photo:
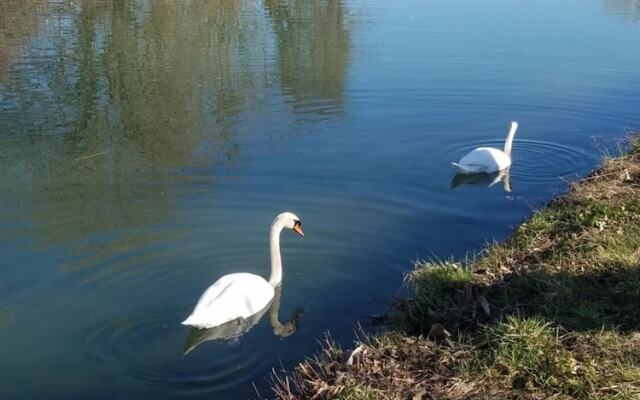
(552, 312)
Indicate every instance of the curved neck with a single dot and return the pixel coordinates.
(276, 259)
(509, 141)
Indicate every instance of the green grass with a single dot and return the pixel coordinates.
(527, 354)
(355, 392)
(552, 312)
(443, 296)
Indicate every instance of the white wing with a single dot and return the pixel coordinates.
(483, 159)
(231, 297)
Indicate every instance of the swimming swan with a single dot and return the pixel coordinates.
(488, 159)
(242, 295)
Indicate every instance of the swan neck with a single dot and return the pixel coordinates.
(276, 258)
(509, 141)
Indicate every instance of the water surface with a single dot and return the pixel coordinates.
(147, 145)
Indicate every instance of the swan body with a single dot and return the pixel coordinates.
(241, 295)
(231, 297)
(488, 159)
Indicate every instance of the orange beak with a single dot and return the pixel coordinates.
(297, 228)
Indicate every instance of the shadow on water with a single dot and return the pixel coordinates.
(630, 9)
(131, 93)
(97, 145)
(312, 57)
(482, 179)
(19, 23)
(134, 92)
(233, 330)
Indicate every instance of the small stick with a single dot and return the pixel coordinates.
(91, 156)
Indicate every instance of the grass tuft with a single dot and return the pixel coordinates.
(528, 353)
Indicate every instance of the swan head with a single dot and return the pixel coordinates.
(290, 221)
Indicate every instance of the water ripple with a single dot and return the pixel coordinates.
(130, 349)
(536, 161)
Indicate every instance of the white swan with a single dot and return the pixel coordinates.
(488, 159)
(242, 295)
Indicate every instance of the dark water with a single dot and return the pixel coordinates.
(147, 145)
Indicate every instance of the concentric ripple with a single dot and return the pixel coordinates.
(537, 161)
(143, 353)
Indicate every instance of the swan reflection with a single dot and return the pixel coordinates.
(483, 179)
(4, 314)
(233, 330)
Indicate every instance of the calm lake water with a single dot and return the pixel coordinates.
(146, 146)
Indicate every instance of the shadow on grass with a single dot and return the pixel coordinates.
(459, 300)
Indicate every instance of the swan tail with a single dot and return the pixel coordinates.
(461, 169)
(193, 320)
(190, 321)
(196, 323)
